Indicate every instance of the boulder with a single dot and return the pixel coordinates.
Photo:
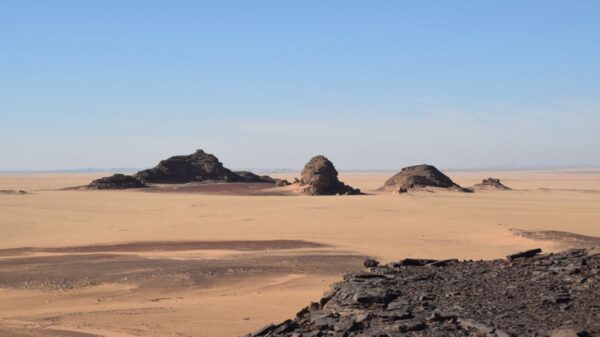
(419, 177)
(319, 177)
(116, 181)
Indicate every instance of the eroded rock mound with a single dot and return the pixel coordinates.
(526, 295)
(490, 184)
(198, 166)
(116, 181)
(419, 177)
(319, 177)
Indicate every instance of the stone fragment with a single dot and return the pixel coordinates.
(524, 254)
(370, 263)
(415, 262)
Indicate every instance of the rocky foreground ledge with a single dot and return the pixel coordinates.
(527, 294)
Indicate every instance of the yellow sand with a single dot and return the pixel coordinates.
(388, 227)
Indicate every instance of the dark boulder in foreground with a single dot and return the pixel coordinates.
(116, 181)
(532, 295)
(198, 166)
(419, 177)
(319, 177)
(490, 184)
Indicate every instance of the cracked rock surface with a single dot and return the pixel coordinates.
(527, 294)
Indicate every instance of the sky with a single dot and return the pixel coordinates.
(269, 84)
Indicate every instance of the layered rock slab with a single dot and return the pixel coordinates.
(534, 295)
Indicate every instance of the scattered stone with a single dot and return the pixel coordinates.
(568, 333)
(264, 330)
(498, 298)
(419, 177)
(593, 251)
(490, 184)
(370, 263)
(116, 181)
(319, 177)
(524, 254)
(415, 262)
(443, 263)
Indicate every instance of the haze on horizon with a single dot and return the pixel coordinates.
(268, 84)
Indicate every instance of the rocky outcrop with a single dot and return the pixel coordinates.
(419, 177)
(249, 177)
(319, 177)
(527, 294)
(198, 166)
(490, 184)
(116, 181)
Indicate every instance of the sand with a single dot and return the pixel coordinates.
(387, 227)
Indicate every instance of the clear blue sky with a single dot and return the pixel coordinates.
(268, 84)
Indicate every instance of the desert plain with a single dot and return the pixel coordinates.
(180, 263)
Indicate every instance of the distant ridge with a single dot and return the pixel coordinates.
(81, 170)
(579, 169)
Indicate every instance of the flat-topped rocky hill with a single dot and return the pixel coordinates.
(419, 177)
(527, 294)
(196, 167)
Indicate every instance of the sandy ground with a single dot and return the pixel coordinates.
(58, 288)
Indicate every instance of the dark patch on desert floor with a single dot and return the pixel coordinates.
(14, 192)
(253, 189)
(86, 266)
(566, 239)
(157, 246)
(36, 332)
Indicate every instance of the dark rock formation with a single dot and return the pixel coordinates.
(249, 177)
(198, 166)
(116, 181)
(13, 192)
(490, 184)
(532, 295)
(419, 176)
(320, 177)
